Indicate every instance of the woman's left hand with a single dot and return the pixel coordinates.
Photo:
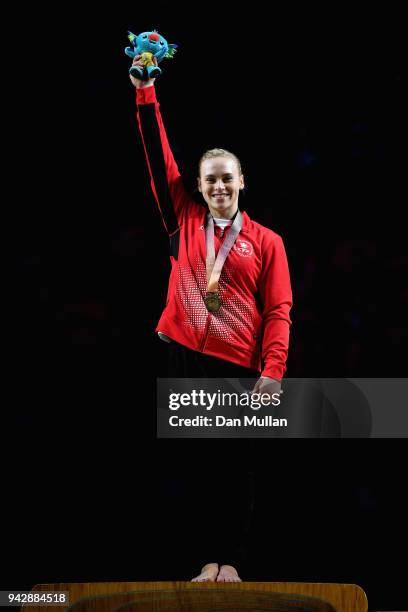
(268, 386)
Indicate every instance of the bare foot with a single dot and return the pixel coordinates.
(208, 573)
(228, 574)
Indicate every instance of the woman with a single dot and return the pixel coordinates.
(229, 295)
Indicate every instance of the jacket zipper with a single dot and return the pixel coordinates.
(205, 333)
(207, 323)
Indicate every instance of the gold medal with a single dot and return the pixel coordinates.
(213, 266)
(212, 301)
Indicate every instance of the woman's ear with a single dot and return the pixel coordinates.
(199, 184)
(242, 182)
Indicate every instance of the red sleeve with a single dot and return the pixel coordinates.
(276, 295)
(166, 182)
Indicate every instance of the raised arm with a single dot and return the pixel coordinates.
(166, 181)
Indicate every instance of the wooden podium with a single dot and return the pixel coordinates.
(200, 597)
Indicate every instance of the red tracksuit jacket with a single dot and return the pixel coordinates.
(252, 326)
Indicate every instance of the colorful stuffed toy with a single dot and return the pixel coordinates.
(149, 45)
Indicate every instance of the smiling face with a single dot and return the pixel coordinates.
(220, 183)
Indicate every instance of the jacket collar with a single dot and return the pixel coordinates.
(246, 221)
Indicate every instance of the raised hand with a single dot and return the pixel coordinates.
(139, 83)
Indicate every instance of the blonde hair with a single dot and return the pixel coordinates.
(219, 153)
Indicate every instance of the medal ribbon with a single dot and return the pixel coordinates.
(215, 266)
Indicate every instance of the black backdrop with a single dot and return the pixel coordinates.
(312, 102)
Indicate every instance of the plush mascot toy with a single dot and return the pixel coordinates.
(149, 45)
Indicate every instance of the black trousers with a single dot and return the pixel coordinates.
(212, 492)
(185, 363)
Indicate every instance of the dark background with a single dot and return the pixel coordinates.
(313, 104)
